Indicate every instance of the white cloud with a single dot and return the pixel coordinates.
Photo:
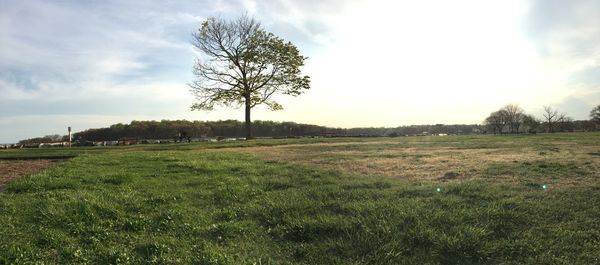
(567, 37)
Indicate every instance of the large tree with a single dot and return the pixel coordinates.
(244, 65)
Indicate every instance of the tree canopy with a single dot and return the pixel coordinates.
(244, 65)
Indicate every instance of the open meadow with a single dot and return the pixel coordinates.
(482, 199)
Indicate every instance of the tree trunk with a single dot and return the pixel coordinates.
(248, 122)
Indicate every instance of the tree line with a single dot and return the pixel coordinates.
(511, 118)
(45, 139)
(508, 119)
(177, 129)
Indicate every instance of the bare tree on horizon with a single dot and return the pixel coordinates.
(513, 116)
(551, 117)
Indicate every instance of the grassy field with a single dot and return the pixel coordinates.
(410, 200)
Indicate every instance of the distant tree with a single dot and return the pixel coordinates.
(54, 137)
(595, 115)
(246, 65)
(565, 124)
(46, 139)
(531, 122)
(513, 116)
(551, 117)
(585, 125)
(496, 121)
(393, 134)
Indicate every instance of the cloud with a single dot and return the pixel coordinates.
(588, 76)
(575, 107)
(310, 23)
(101, 59)
(67, 49)
(565, 28)
(567, 36)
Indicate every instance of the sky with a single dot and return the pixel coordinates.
(90, 64)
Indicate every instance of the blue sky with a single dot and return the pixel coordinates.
(90, 64)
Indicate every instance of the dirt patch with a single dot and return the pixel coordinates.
(11, 169)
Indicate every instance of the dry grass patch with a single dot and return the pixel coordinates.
(440, 163)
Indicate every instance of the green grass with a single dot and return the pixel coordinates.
(181, 204)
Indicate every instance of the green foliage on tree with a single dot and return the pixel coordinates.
(244, 65)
